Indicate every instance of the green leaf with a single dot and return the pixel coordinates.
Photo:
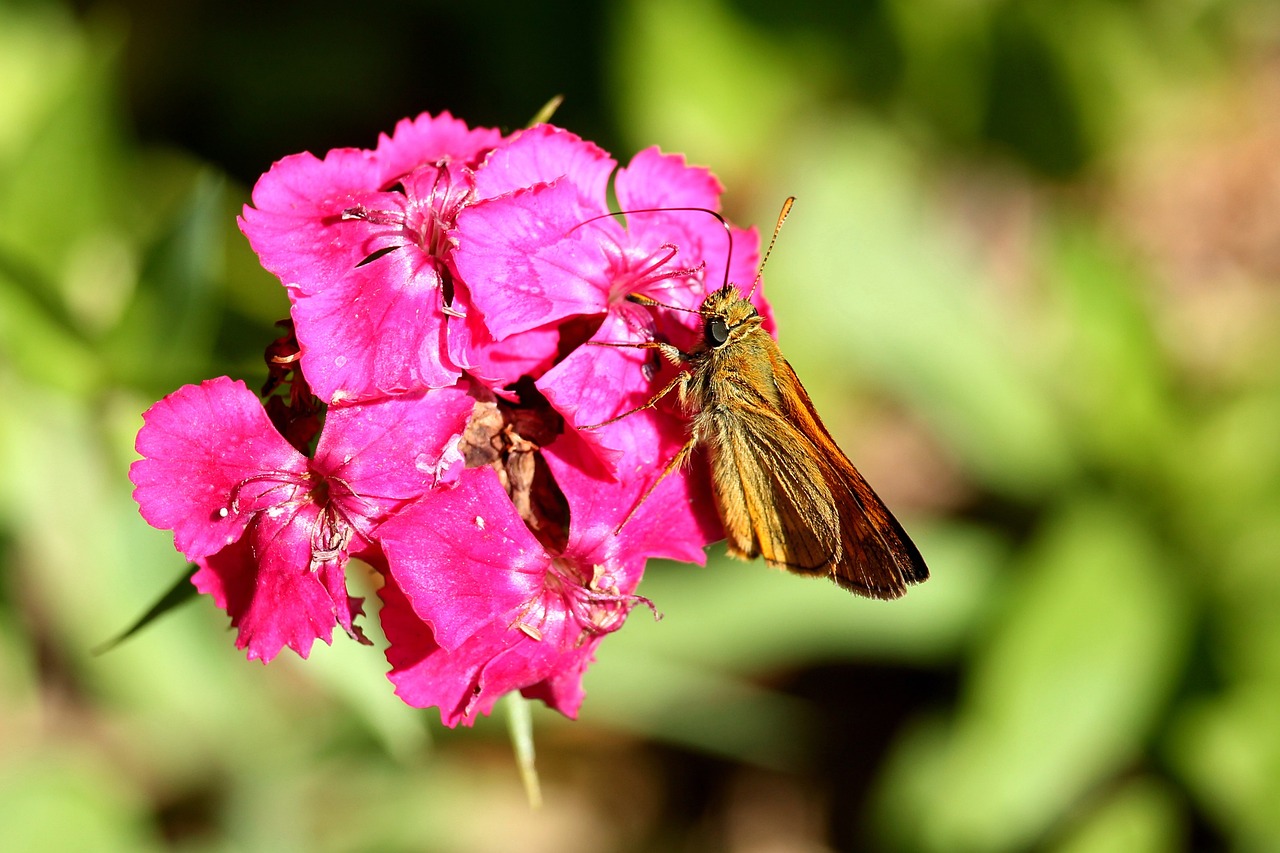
(868, 291)
(1117, 390)
(694, 677)
(543, 115)
(182, 591)
(1227, 749)
(1141, 817)
(1063, 696)
(167, 336)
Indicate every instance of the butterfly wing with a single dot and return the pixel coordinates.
(878, 557)
(786, 492)
(771, 495)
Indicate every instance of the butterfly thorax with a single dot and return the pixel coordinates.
(732, 364)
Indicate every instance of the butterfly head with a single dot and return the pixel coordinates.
(725, 312)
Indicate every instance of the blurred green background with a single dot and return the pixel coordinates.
(1032, 282)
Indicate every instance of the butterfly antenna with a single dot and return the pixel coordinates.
(782, 217)
(728, 259)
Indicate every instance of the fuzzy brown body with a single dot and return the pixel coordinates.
(783, 488)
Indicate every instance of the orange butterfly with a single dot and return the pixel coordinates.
(783, 489)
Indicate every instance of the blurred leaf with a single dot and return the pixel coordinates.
(1227, 494)
(40, 293)
(1063, 696)
(693, 677)
(545, 113)
(182, 591)
(945, 51)
(1228, 750)
(865, 284)
(1118, 384)
(1140, 817)
(59, 160)
(38, 337)
(61, 181)
(168, 334)
(69, 802)
(1031, 109)
(728, 101)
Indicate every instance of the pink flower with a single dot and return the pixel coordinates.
(447, 288)
(358, 239)
(475, 606)
(270, 529)
(533, 254)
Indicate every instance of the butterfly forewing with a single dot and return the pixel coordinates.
(772, 496)
(783, 488)
(878, 558)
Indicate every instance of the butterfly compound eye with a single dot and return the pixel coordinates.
(716, 331)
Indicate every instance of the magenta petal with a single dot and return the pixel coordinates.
(467, 682)
(657, 180)
(430, 139)
(496, 364)
(296, 223)
(265, 583)
(462, 556)
(654, 179)
(562, 689)
(513, 660)
(380, 329)
(202, 446)
(525, 262)
(675, 521)
(391, 450)
(547, 154)
(415, 657)
(594, 383)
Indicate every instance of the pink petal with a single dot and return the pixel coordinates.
(430, 139)
(463, 557)
(202, 445)
(392, 450)
(596, 383)
(524, 263)
(466, 683)
(497, 364)
(296, 223)
(674, 521)
(657, 180)
(379, 329)
(265, 583)
(547, 154)
(654, 179)
(562, 689)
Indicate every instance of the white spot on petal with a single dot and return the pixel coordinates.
(480, 522)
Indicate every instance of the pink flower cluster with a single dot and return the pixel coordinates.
(446, 288)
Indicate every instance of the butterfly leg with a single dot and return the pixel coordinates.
(676, 461)
(672, 353)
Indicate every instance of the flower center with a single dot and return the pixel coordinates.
(597, 607)
(632, 271)
(273, 493)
